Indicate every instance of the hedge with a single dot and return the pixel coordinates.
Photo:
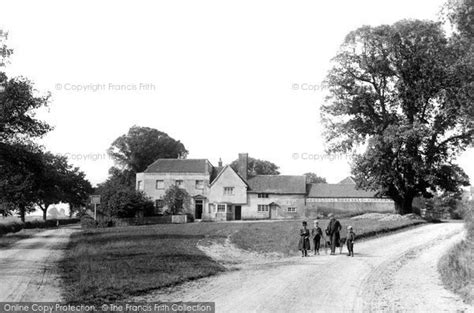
(14, 227)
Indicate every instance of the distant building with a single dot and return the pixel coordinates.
(344, 197)
(223, 194)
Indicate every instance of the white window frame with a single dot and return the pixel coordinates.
(228, 191)
(262, 195)
(140, 185)
(262, 208)
(219, 206)
(291, 209)
(180, 184)
(199, 184)
(162, 184)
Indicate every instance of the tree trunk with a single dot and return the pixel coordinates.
(22, 210)
(45, 211)
(404, 205)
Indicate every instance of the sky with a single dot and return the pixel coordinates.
(223, 77)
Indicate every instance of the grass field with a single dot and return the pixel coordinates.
(457, 267)
(114, 263)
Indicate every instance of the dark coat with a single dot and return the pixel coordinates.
(333, 229)
(304, 240)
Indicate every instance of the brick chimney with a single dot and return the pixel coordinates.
(220, 163)
(243, 164)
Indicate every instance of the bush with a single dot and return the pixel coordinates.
(457, 267)
(14, 226)
(88, 222)
(10, 227)
(50, 223)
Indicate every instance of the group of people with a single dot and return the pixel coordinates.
(332, 232)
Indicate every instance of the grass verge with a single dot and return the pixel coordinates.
(457, 266)
(114, 263)
(10, 239)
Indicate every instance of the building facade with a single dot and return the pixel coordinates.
(344, 198)
(224, 194)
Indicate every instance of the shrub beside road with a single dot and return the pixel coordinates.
(457, 267)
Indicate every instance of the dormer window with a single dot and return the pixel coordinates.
(263, 195)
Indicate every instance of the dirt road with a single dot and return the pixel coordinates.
(395, 273)
(28, 270)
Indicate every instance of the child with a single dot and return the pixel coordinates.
(350, 240)
(317, 232)
(303, 245)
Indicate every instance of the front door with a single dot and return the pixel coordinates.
(198, 210)
(238, 212)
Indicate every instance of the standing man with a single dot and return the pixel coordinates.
(333, 229)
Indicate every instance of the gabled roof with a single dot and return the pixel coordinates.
(201, 166)
(280, 184)
(223, 170)
(338, 191)
(348, 180)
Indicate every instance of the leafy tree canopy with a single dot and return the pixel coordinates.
(176, 199)
(257, 167)
(401, 92)
(313, 178)
(141, 146)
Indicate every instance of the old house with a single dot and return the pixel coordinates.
(224, 194)
(276, 197)
(194, 175)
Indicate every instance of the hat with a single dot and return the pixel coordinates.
(331, 215)
(304, 223)
(349, 227)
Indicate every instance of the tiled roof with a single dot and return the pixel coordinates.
(179, 166)
(281, 184)
(338, 191)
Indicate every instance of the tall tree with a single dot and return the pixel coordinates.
(18, 104)
(59, 182)
(20, 167)
(397, 90)
(120, 199)
(313, 178)
(5, 52)
(257, 167)
(141, 146)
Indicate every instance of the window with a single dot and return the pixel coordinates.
(263, 195)
(291, 209)
(228, 191)
(179, 182)
(262, 208)
(139, 185)
(160, 184)
(159, 203)
(199, 184)
(221, 208)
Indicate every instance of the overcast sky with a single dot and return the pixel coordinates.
(223, 77)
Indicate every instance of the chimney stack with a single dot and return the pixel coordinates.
(243, 164)
(220, 163)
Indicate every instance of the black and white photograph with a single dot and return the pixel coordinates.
(236, 156)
